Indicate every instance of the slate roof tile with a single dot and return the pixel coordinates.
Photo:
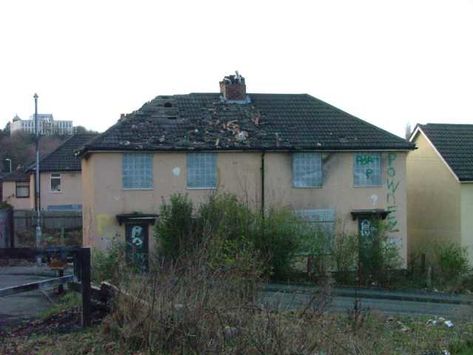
(63, 158)
(454, 142)
(202, 121)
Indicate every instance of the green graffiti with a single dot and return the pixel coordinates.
(364, 159)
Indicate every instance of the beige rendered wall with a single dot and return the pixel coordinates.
(9, 196)
(104, 197)
(433, 192)
(338, 191)
(239, 173)
(467, 218)
(71, 189)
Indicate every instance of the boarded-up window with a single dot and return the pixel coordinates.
(137, 171)
(307, 169)
(367, 169)
(322, 221)
(202, 170)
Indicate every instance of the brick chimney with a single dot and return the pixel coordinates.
(233, 88)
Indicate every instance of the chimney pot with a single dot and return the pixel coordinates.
(233, 88)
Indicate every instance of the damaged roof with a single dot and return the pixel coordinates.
(454, 142)
(202, 121)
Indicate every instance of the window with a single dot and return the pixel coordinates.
(22, 189)
(56, 182)
(367, 169)
(137, 171)
(202, 170)
(323, 223)
(307, 170)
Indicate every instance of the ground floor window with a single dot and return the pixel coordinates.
(22, 189)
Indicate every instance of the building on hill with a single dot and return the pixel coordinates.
(46, 123)
(440, 186)
(271, 150)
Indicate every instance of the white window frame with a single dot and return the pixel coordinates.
(55, 176)
(137, 171)
(197, 164)
(306, 163)
(22, 184)
(360, 169)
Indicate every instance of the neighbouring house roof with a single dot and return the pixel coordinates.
(454, 142)
(63, 158)
(269, 122)
(16, 175)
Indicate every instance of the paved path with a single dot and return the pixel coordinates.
(388, 302)
(21, 307)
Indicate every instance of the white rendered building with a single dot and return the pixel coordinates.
(46, 124)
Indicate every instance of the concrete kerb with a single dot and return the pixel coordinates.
(430, 297)
(417, 296)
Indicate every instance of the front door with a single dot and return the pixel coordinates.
(136, 235)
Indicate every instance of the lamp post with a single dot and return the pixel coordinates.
(37, 191)
(9, 161)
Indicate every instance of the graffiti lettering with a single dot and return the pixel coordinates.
(392, 185)
(364, 159)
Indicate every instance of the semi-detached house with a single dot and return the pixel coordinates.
(271, 150)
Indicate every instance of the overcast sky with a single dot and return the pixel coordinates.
(387, 62)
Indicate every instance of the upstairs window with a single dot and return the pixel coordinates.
(202, 170)
(22, 189)
(367, 169)
(137, 171)
(307, 170)
(55, 183)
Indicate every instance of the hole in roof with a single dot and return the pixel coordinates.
(172, 117)
(168, 104)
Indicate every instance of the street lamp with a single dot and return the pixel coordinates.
(9, 161)
(37, 191)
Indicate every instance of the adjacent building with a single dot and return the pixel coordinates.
(440, 186)
(271, 150)
(60, 180)
(47, 125)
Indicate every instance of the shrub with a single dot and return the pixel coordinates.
(229, 232)
(174, 229)
(453, 260)
(345, 257)
(378, 256)
(106, 264)
(279, 237)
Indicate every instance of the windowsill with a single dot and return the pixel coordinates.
(22, 196)
(365, 186)
(201, 188)
(55, 192)
(307, 187)
(137, 188)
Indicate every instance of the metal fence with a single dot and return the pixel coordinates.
(59, 228)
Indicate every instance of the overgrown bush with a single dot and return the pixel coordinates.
(175, 226)
(378, 256)
(229, 231)
(187, 307)
(452, 261)
(345, 257)
(279, 237)
(106, 265)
